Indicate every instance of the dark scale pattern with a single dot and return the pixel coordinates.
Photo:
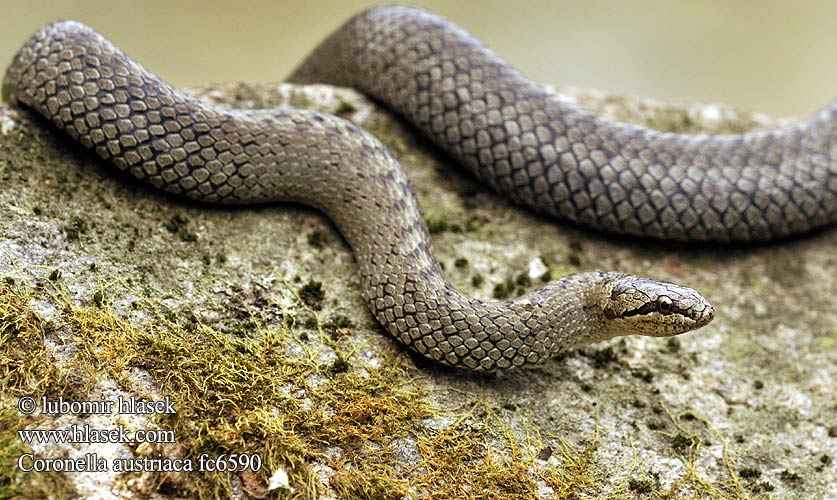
(110, 104)
(559, 159)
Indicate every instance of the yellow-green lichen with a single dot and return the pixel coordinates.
(265, 391)
(246, 394)
(27, 368)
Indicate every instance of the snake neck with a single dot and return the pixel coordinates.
(556, 158)
(431, 317)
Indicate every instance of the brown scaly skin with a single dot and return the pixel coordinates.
(97, 95)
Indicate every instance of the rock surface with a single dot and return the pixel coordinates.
(744, 408)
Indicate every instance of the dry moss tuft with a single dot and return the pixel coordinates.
(264, 390)
(27, 368)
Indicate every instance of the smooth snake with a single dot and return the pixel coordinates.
(538, 150)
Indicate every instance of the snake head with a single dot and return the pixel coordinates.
(641, 306)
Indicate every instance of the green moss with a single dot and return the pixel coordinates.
(603, 357)
(644, 375)
(437, 225)
(477, 280)
(682, 443)
(460, 262)
(749, 473)
(340, 321)
(503, 290)
(187, 235)
(369, 483)
(98, 298)
(338, 326)
(576, 253)
(655, 425)
(75, 228)
(27, 368)
(339, 366)
(790, 478)
(229, 388)
(310, 322)
(763, 486)
(316, 239)
(344, 108)
(459, 464)
(642, 486)
(312, 295)
(15, 483)
(177, 224)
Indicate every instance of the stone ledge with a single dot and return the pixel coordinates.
(742, 407)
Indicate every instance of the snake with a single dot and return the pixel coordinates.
(542, 152)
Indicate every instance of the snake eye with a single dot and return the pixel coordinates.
(664, 304)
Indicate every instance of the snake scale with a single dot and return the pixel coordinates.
(541, 152)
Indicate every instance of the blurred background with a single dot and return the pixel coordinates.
(776, 57)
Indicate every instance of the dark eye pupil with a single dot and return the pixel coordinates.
(664, 305)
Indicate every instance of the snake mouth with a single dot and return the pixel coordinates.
(675, 319)
(697, 318)
(692, 319)
(707, 316)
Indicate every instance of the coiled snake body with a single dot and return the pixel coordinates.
(541, 152)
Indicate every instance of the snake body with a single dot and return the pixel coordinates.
(542, 152)
(571, 163)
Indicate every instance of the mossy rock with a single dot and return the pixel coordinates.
(252, 321)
